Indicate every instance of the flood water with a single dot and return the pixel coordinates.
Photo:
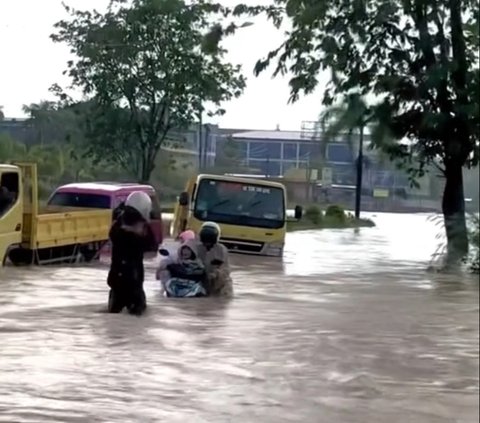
(348, 328)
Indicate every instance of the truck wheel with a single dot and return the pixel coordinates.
(89, 255)
(20, 256)
(90, 252)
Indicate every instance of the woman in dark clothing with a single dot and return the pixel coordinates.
(131, 237)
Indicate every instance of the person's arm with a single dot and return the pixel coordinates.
(197, 274)
(136, 229)
(178, 271)
(162, 267)
(225, 257)
(150, 241)
(114, 232)
(165, 262)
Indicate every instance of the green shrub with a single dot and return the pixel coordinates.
(336, 212)
(474, 238)
(313, 214)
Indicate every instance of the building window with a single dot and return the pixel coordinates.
(401, 180)
(383, 179)
(287, 165)
(344, 175)
(305, 150)
(339, 153)
(266, 167)
(242, 148)
(261, 150)
(290, 151)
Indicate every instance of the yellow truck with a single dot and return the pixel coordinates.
(28, 236)
(252, 213)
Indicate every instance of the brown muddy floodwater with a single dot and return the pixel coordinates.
(349, 328)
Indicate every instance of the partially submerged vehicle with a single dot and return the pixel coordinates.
(251, 212)
(31, 236)
(107, 195)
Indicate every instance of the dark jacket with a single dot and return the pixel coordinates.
(128, 248)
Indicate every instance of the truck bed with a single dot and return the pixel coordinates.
(65, 228)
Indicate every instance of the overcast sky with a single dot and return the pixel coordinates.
(31, 63)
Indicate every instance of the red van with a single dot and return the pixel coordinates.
(106, 195)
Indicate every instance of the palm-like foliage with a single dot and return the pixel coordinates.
(41, 116)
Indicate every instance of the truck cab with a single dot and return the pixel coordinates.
(28, 236)
(11, 208)
(251, 212)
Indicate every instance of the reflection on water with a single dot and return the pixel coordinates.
(348, 328)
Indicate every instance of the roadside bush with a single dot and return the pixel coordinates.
(336, 212)
(313, 214)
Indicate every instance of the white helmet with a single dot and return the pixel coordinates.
(213, 225)
(140, 202)
(209, 233)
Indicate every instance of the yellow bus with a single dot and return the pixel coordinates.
(252, 213)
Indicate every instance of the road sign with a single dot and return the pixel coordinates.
(381, 193)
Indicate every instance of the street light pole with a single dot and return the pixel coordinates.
(200, 142)
(358, 191)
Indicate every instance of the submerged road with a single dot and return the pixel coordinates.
(347, 328)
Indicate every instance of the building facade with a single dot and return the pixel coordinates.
(275, 153)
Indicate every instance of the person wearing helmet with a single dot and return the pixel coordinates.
(131, 237)
(215, 258)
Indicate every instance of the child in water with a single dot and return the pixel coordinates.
(187, 273)
(167, 257)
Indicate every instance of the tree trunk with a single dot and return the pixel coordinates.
(453, 207)
(147, 167)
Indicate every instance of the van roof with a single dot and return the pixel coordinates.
(105, 186)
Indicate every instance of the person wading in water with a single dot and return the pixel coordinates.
(130, 236)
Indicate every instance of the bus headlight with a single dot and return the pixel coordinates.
(274, 249)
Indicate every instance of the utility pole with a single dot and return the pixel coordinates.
(358, 191)
(207, 145)
(200, 142)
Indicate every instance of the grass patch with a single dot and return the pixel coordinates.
(333, 218)
(330, 223)
(314, 218)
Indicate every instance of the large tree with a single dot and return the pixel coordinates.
(419, 60)
(147, 70)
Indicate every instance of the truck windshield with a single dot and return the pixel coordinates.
(239, 203)
(82, 200)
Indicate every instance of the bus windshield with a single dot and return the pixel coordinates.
(239, 203)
